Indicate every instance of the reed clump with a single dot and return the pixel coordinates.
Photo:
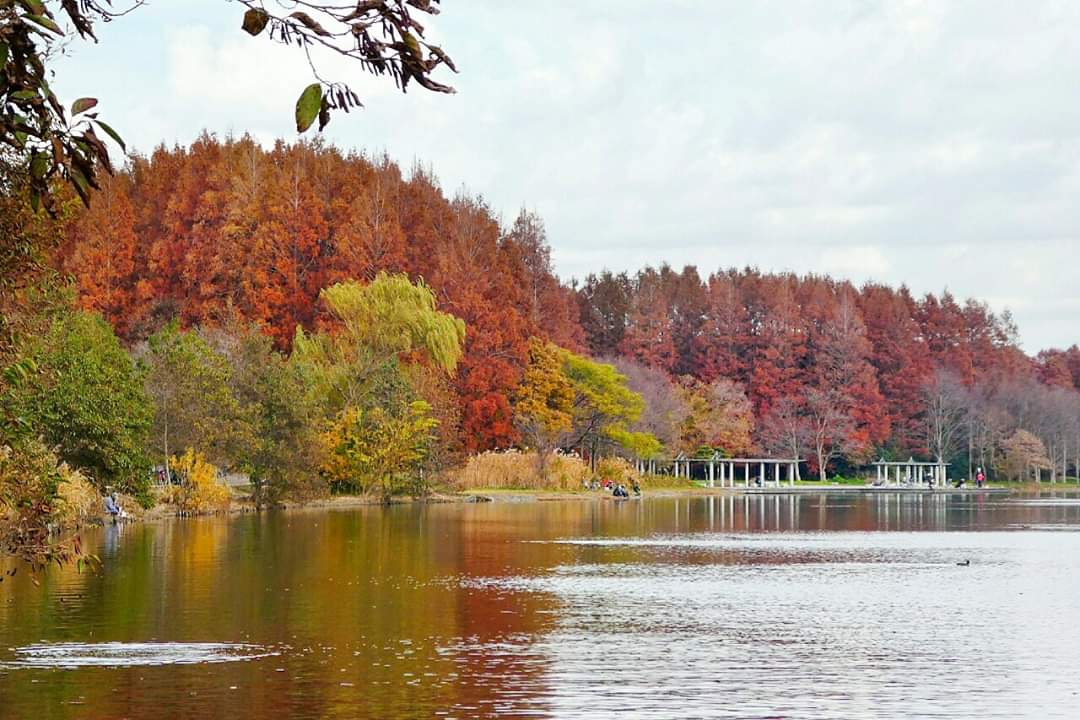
(517, 470)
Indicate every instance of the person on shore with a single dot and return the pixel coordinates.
(980, 478)
(112, 506)
(637, 488)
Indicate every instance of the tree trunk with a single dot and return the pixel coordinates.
(168, 475)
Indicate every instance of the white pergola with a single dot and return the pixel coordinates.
(914, 471)
(727, 471)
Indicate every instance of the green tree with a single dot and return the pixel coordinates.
(282, 454)
(380, 321)
(604, 407)
(194, 404)
(87, 400)
(380, 430)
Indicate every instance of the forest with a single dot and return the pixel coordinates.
(325, 321)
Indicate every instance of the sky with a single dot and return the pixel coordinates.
(933, 144)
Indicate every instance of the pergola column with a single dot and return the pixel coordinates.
(712, 479)
(746, 474)
(776, 474)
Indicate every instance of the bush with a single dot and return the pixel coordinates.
(199, 492)
(616, 470)
(516, 470)
(77, 500)
(31, 477)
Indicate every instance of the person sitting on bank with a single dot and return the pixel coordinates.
(112, 506)
(637, 488)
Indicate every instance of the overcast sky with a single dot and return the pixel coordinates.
(929, 143)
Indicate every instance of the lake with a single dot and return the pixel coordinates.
(810, 606)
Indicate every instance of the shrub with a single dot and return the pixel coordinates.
(616, 470)
(199, 492)
(516, 470)
(77, 499)
(31, 477)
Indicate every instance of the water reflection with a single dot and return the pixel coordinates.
(733, 606)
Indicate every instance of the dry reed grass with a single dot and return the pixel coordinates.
(77, 499)
(516, 470)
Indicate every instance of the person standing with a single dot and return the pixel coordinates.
(980, 478)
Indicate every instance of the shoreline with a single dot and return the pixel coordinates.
(163, 511)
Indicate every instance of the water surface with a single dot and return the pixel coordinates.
(814, 606)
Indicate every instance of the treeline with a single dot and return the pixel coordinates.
(225, 233)
(226, 229)
(365, 408)
(841, 374)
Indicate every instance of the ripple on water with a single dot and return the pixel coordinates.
(118, 654)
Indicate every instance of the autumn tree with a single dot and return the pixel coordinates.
(100, 252)
(544, 401)
(944, 414)
(375, 451)
(901, 361)
(604, 308)
(1023, 456)
(842, 372)
(649, 337)
(719, 417)
(830, 429)
(666, 407)
(787, 431)
(551, 307)
(720, 347)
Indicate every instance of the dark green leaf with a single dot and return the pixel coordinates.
(39, 165)
(45, 22)
(111, 133)
(308, 106)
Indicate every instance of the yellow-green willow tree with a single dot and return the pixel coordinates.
(378, 430)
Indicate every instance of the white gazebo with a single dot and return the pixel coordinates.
(910, 471)
(727, 471)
